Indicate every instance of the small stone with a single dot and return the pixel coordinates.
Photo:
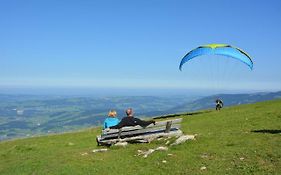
(183, 139)
(100, 150)
(205, 155)
(121, 144)
(162, 148)
(167, 138)
(70, 144)
(150, 151)
(203, 168)
(83, 154)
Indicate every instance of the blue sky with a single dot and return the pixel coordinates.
(137, 44)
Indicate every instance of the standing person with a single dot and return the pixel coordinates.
(130, 120)
(219, 104)
(111, 120)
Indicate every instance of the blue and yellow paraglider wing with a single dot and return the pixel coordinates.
(218, 49)
(194, 53)
(236, 54)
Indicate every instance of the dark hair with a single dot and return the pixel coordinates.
(129, 111)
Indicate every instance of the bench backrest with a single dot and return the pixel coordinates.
(162, 126)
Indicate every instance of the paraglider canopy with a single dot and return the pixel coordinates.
(218, 49)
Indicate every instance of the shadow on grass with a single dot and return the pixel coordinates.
(177, 115)
(269, 131)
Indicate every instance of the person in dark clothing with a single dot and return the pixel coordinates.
(130, 120)
(219, 104)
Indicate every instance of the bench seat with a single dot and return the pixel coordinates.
(140, 134)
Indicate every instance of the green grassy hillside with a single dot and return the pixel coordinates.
(243, 139)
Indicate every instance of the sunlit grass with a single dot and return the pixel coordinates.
(243, 139)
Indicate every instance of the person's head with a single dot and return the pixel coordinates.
(112, 113)
(129, 112)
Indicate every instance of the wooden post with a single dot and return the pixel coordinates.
(168, 126)
(119, 133)
(98, 142)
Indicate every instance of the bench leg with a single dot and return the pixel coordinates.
(168, 126)
(98, 142)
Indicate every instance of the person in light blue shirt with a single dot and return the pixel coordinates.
(111, 120)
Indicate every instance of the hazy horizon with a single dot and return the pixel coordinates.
(103, 92)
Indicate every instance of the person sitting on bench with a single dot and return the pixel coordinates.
(111, 120)
(130, 120)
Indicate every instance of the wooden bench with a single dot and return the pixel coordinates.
(139, 134)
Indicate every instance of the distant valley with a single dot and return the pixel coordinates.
(31, 115)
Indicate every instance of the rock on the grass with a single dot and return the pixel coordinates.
(183, 139)
(121, 144)
(203, 168)
(146, 153)
(162, 148)
(70, 144)
(100, 150)
(150, 151)
(83, 154)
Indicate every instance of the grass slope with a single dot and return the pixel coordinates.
(243, 139)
